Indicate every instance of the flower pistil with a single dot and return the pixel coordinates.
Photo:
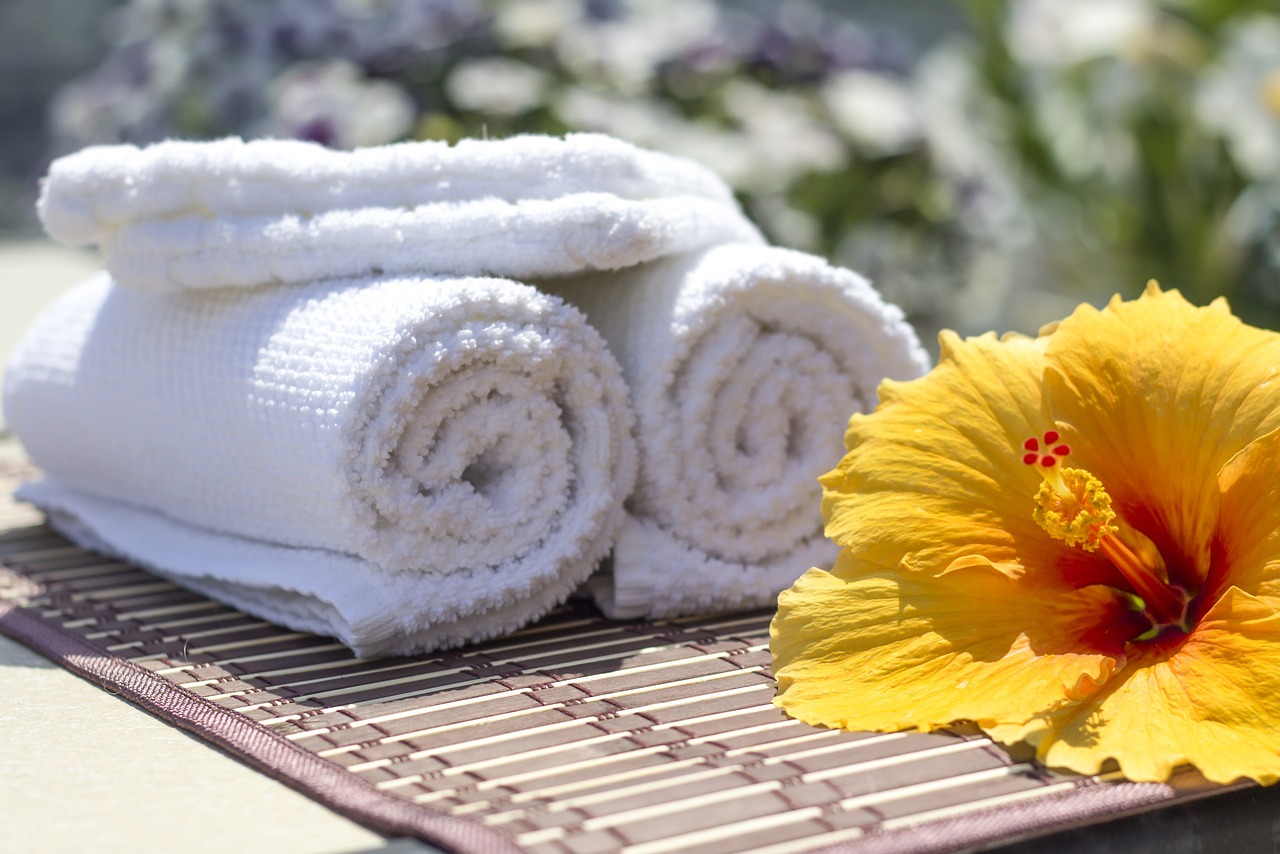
(1072, 505)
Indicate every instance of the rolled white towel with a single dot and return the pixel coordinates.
(402, 463)
(744, 364)
(180, 215)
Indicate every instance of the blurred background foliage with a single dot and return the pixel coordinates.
(988, 164)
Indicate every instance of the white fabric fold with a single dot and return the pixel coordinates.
(183, 215)
(403, 463)
(487, 237)
(333, 409)
(744, 364)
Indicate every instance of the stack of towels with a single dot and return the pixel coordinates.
(413, 396)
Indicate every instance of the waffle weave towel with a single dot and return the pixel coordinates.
(744, 363)
(206, 215)
(402, 463)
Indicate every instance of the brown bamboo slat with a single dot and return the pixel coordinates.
(575, 735)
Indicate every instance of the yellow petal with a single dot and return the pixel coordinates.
(1249, 530)
(897, 650)
(935, 473)
(1213, 703)
(1160, 394)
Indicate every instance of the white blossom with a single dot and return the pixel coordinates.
(497, 85)
(1067, 32)
(334, 103)
(877, 112)
(1239, 97)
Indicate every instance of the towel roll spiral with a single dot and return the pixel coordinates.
(744, 363)
(464, 440)
(292, 394)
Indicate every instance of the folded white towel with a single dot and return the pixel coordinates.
(200, 215)
(402, 463)
(744, 363)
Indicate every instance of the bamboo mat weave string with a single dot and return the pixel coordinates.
(574, 735)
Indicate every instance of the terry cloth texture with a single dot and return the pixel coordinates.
(205, 215)
(403, 463)
(744, 363)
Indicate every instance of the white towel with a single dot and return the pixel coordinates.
(204, 215)
(403, 463)
(744, 361)
(744, 364)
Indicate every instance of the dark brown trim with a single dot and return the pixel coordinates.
(275, 756)
(1006, 824)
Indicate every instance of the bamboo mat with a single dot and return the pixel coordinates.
(575, 735)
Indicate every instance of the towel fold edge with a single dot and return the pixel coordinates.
(490, 237)
(361, 614)
(704, 584)
(99, 188)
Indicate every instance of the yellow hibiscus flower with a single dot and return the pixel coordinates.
(1071, 540)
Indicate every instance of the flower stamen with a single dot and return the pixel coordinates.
(1072, 505)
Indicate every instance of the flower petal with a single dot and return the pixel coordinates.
(1248, 540)
(1214, 703)
(935, 473)
(1160, 394)
(896, 650)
